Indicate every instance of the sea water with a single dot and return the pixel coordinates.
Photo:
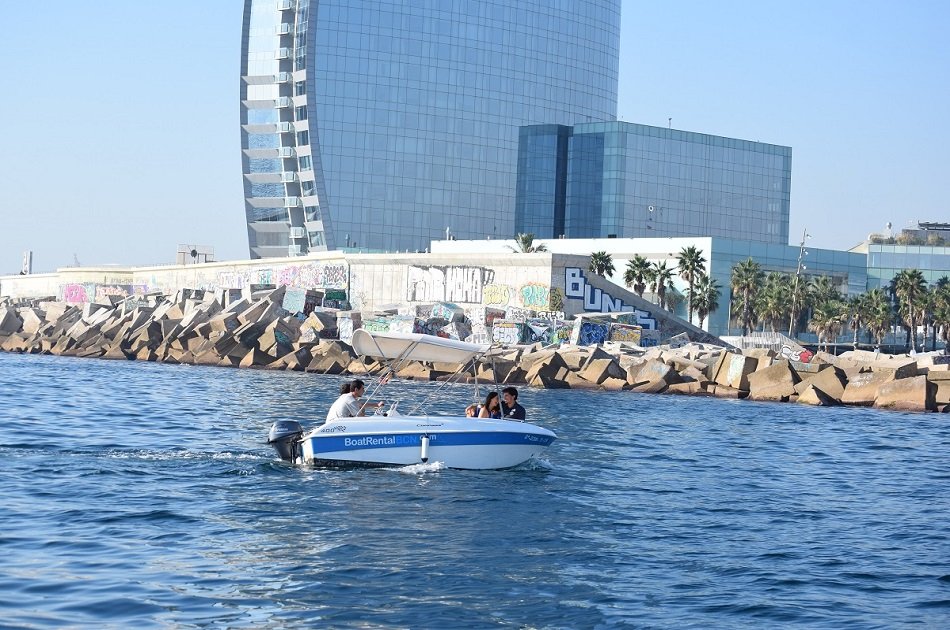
(139, 494)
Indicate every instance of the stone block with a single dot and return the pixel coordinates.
(724, 391)
(907, 394)
(10, 322)
(599, 370)
(734, 371)
(862, 388)
(692, 374)
(900, 367)
(575, 381)
(692, 388)
(515, 376)
(830, 380)
(615, 384)
(655, 369)
(549, 378)
(655, 386)
(15, 342)
(32, 320)
(775, 382)
(813, 395)
(545, 368)
(256, 358)
(942, 392)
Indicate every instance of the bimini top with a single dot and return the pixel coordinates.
(415, 347)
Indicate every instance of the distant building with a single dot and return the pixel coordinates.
(848, 270)
(624, 180)
(379, 123)
(926, 247)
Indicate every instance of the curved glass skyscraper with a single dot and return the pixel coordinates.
(381, 123)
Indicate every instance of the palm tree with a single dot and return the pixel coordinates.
(705, 296)
(662, 275)
(638, 274)
(941, 310)
(877, 315)
(827, 319)
(690, 263)
(602, 264)
(524, 244)
(857, 314)
(911, 289)
(746, 278)
(822, 289)
(799, 298)
(773, 300)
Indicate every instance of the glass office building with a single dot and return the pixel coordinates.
(381, 123)
(886, 261)
(617, 179)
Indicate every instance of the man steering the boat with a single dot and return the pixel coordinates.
(348, 405)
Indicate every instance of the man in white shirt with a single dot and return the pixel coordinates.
(348, 405)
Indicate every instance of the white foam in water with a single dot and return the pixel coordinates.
(535, 463)
(418, 469)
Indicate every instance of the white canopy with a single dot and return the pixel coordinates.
(415, 347)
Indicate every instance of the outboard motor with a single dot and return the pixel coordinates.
(284, 436)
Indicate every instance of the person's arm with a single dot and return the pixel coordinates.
(483, 412)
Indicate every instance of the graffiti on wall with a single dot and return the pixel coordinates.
(496, 295)
(598, 301)
(85, 292)
(532, 295)
(307, 276)
(447, 284)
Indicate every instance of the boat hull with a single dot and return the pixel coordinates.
(465, 443)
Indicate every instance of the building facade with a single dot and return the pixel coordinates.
(624, 180)
(381, 123)
(848, 270)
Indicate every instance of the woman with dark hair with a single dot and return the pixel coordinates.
(491, 408)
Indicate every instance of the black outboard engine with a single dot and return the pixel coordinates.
(284, 436)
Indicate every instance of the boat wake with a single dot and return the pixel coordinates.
(420, 469)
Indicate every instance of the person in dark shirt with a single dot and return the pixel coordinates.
(510, 409)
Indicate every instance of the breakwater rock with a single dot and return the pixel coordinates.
(194, 327)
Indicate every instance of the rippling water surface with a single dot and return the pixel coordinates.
(137, 494)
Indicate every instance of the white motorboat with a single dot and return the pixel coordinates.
(395, 439)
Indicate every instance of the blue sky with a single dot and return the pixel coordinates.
(121, 140)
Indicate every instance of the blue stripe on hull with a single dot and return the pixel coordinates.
(338, 443)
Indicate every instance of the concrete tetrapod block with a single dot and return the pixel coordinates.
(813, 395)
(830, 381)
(575, 357)
(31, 320)
(901, 367)
(775, 382)
(599, 370)
(255, 358)
(549, 378)
(615, 384)
(691, 388)
(907, 394)
(724, 391)
(862, 388)
(654, 369)
(296, 361)
(575, 381)
(415, 371)
(942, 391)
(734, 370)
(655, 386)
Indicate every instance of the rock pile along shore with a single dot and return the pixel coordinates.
(192, 327)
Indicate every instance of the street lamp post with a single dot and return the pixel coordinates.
(802, 252)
